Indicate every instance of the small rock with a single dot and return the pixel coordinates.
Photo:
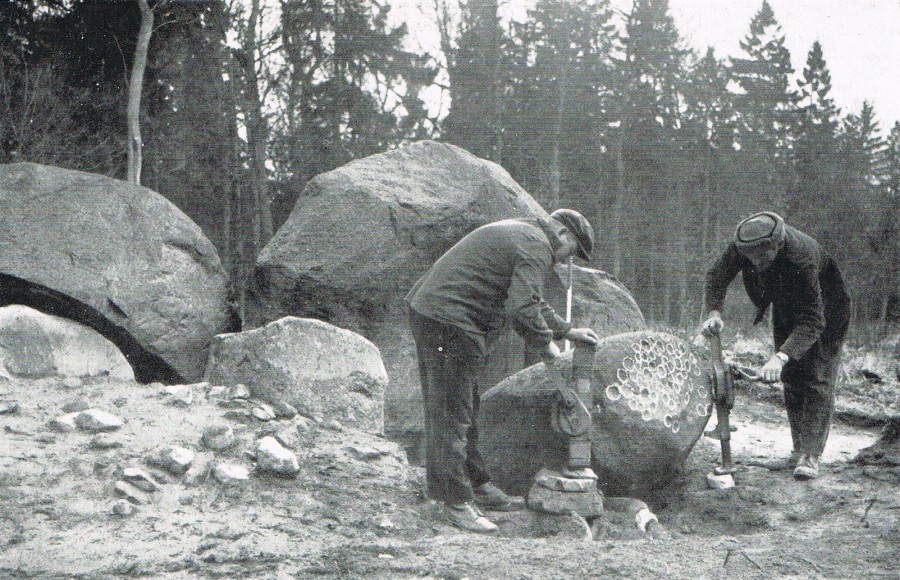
(45, 438)
(76, 406)
(585, 504)
(288, 437)
(102, 465)
(364, 453)
(273, 458)
(238, 392)
(9, 408)
(140, 479)
(555, 480)
(284, 410)
(334, 425)
(103, 441)
(179, 395)
(199, 471)
(263, 412)
(122, 507)
(64, 423)
(230, 474)
(228, 532)
(97, 420)
(120, 402)
(384, 523)
(239, 415)
(72, 382)
(216, 392)
(305, 426)
(131, 493)
(175, 460)
(218, 437)
(159, 475)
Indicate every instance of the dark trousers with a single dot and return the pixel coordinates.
(449, 362)
(809, 388)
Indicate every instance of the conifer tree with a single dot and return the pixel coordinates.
(766, 108)
(815, 137)
(478, 74)
(649, 156)
(561, 70)
(352, 87)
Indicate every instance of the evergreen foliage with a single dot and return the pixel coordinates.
(662, 148)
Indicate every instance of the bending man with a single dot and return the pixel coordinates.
(788, 269)
(497, 269)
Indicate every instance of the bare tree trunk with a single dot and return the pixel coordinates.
(135, 85)
(555, 171)
(615, 222)
(257, 133)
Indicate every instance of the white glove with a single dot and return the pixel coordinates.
(551, 352)
(713, 324)
(771, 371)
(582, 335)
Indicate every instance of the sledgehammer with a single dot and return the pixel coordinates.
(722, 386)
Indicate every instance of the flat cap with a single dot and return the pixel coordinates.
(580, 226)
(759, 230)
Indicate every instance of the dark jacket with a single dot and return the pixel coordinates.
(498, 268)
(810, 303)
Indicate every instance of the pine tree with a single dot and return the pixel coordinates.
(653, 65)
(560, 70)
(766, 108)
(478, 74)
(815, 137)
(649, 158)
(861, 136)
(352, 89)
(709, 130)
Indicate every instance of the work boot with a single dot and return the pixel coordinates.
(784, 463)
(491, 497)
(469, 518)
(807, 467)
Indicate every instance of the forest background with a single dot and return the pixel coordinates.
(603, 111)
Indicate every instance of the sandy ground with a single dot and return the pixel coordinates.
(356, 508)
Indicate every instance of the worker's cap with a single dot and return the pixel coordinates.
(578, 225)
(759, 231)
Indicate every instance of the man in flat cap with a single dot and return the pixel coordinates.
(494, 273)
(788, 269)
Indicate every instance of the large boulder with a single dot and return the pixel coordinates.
(37, 345)
(599, 302)
(117, 256)
(651, 402)
(360, 237)
(318, 368)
